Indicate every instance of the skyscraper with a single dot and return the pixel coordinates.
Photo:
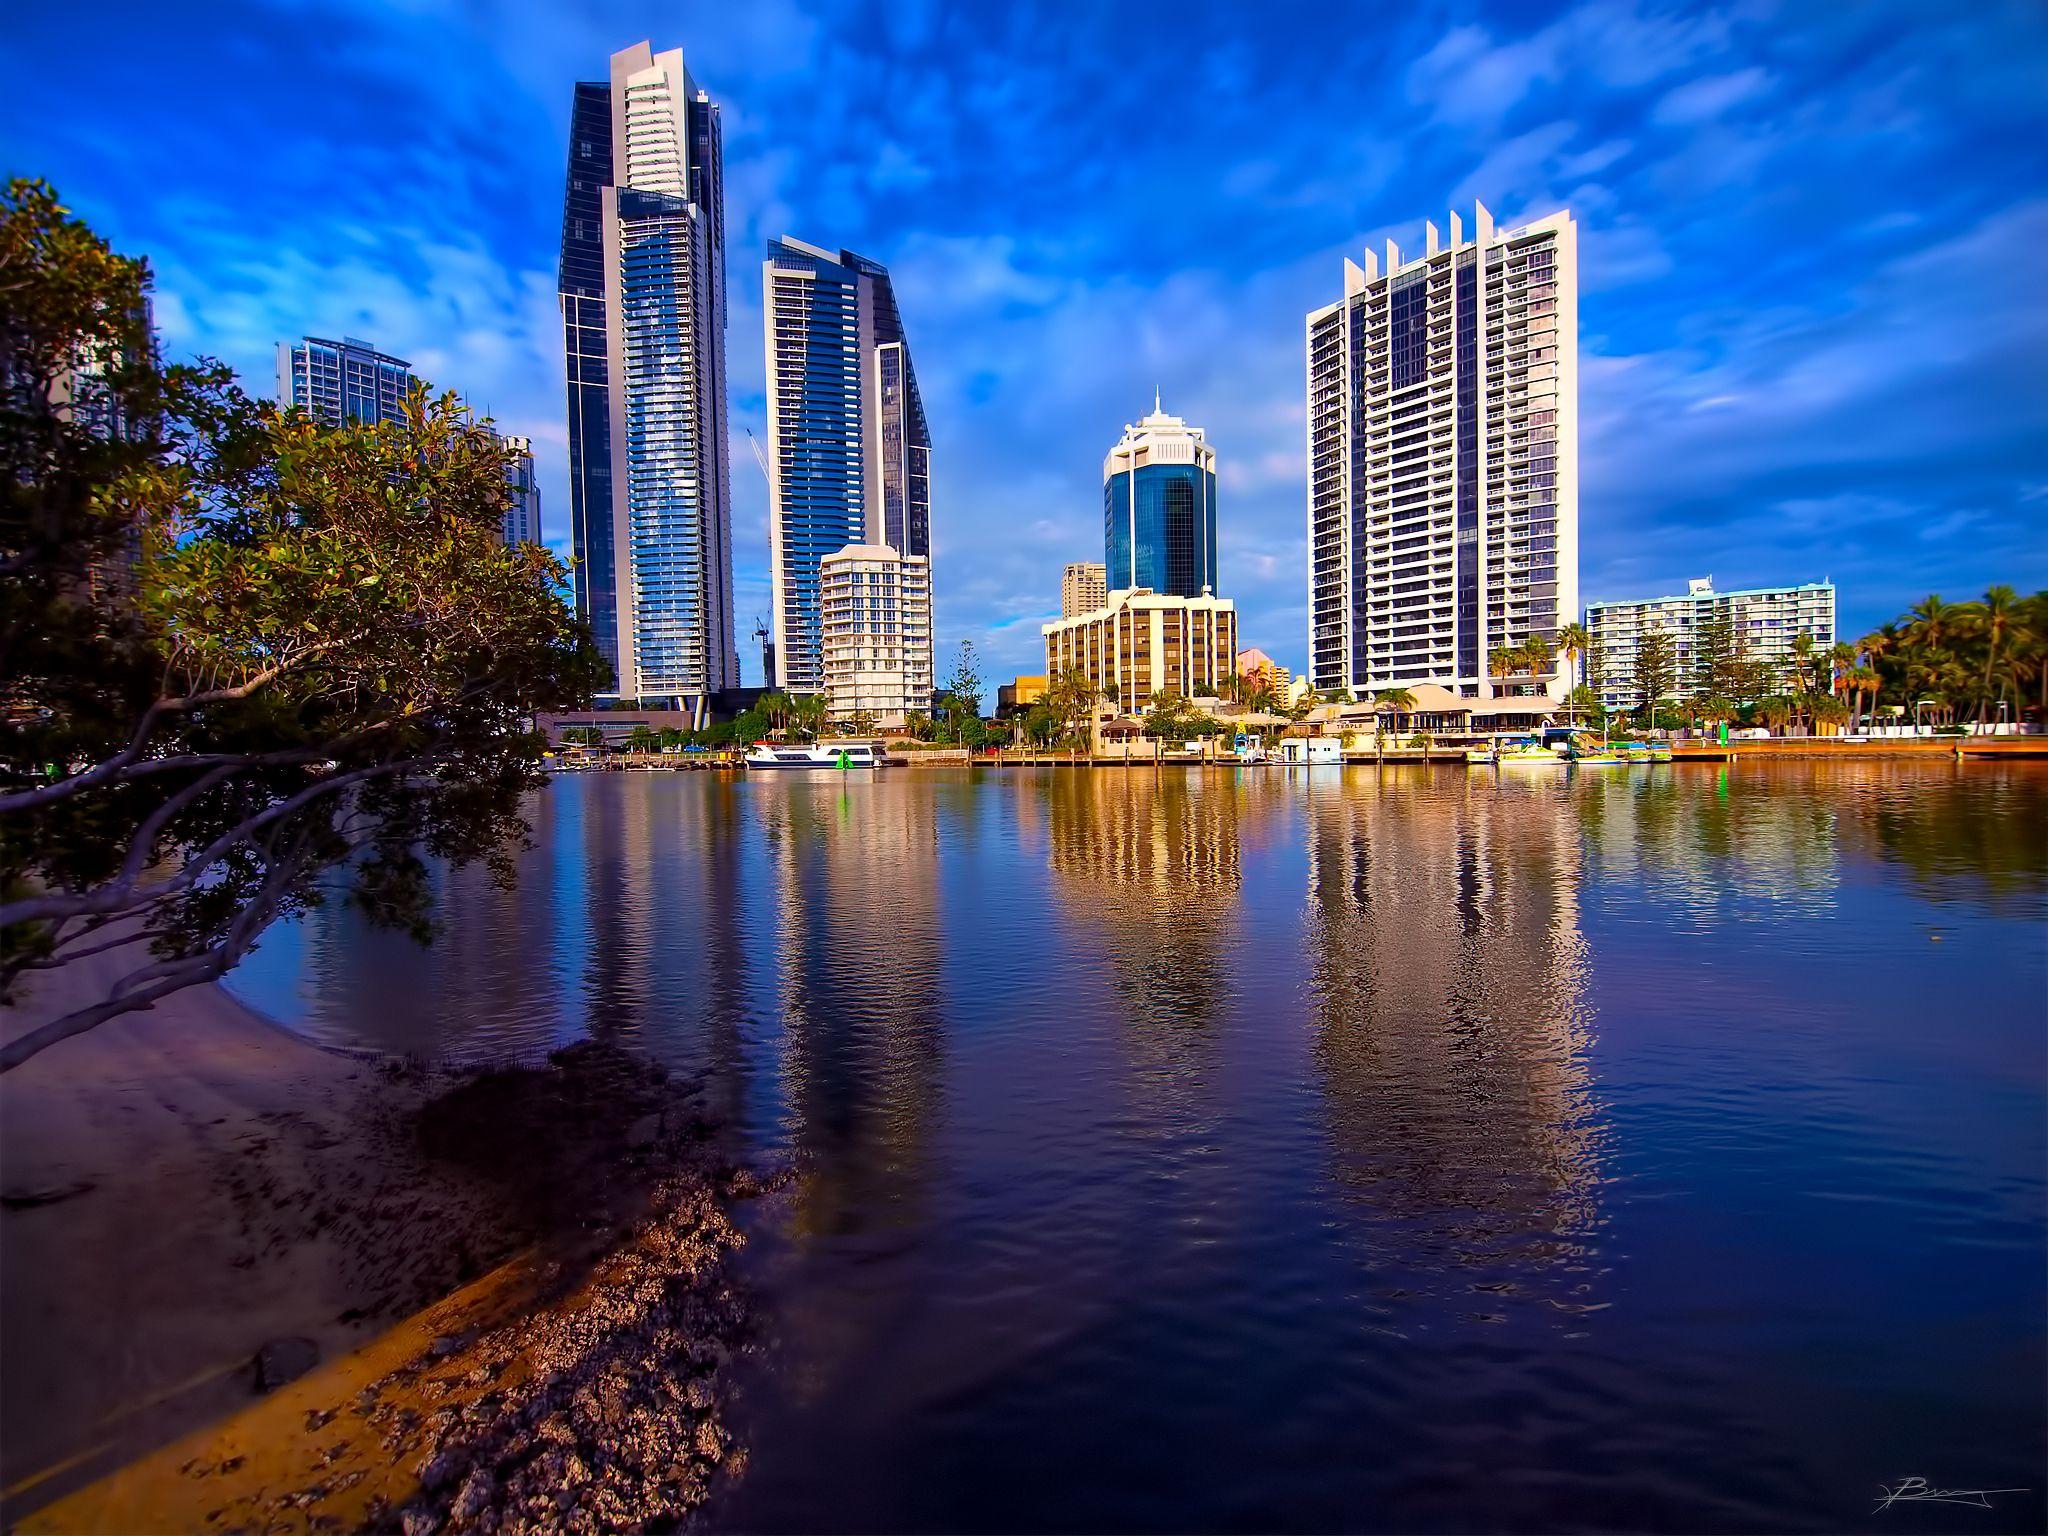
(657, 311)
(1084, 587)
(1443, 483)
(338, 381)
(1159, 508)
(849, 456)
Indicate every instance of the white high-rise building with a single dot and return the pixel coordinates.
(875, 626)
(1443, 438)
(1084, 587)
(1763, 623)
(643, 296)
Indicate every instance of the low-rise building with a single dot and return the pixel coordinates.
(1256, 666)
(1763, 623)
(875, 625)
(1142, 642)
(1026, 691)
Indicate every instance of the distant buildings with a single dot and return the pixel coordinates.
(1159, 509)
(522, 518)
(1443, 497)
(1763, 623)
(849, 455)
(875, 622)
(341, 381)
(642, 285)
(351, 381)
(1142, 642)
(1083, 588)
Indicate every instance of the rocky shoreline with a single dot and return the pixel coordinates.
(487, 1301)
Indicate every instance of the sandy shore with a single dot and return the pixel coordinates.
(199, 1207)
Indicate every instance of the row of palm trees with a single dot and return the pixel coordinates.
(1958, 661)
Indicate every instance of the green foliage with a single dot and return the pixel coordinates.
(238, 652)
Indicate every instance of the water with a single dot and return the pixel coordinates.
(1644, 1149)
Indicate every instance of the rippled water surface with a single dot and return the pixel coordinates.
(1647, 1148)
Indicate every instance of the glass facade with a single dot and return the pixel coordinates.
(581, 283)
(1159, 528)
(850, 452)
(340, 381)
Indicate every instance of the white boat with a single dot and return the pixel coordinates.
(1529, 754)
(821, 754)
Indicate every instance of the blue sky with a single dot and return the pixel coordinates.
(1813, 239)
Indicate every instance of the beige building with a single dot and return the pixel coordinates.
(1026, 691)
(1142, 642)
(1256, 666)
(1083, 588)
(875, 625)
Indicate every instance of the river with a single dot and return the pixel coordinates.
(1417, 1149)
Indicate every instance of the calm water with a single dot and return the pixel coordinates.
(1653, 1148)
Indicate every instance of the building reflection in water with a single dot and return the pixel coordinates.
(1706, 849)
(1447, 975)
(858, 945)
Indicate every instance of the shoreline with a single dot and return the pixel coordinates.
(204, 1217)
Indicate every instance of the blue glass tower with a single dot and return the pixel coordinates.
(643, 301)
(581, 285)
(849, 453)
(1159, 508)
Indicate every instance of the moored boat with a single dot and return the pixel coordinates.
(1481, 757)
(1529, 754)
(820, 754)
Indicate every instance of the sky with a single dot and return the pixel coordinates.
(1813, 240)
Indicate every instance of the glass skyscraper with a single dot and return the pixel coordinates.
(1443, 476)
(1159, 508)
(849, 455)
(643, 305)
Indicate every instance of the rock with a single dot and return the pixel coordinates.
(419, 1522)
(283, 1360)
(474, 1498)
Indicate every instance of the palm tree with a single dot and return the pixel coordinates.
(1996, 616)
(1572, 641)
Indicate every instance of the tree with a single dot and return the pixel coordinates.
(1656, 670)
(1572, 643)
(238, 653)
(807, 713)
(963, 688)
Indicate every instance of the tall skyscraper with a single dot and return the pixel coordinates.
(655, 314)
(581, 283)
(1084, 587)
(1443, 441)
(1159, 508)
(849, 456)
(345, 380)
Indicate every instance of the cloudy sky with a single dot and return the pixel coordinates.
(1813, 241)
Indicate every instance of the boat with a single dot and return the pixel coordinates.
(1589, 753)
(1528, 754)
(821, 754)
(1645, 751)
(1481, 757)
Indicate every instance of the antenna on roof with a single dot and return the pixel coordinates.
(1157, 408)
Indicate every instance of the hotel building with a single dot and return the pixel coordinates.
(1141, 642)
(875, 625)
(642, 287)
(1443, 486)
(1763, 621)
(849, 455)
(1159, 509)
(1084, 587)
